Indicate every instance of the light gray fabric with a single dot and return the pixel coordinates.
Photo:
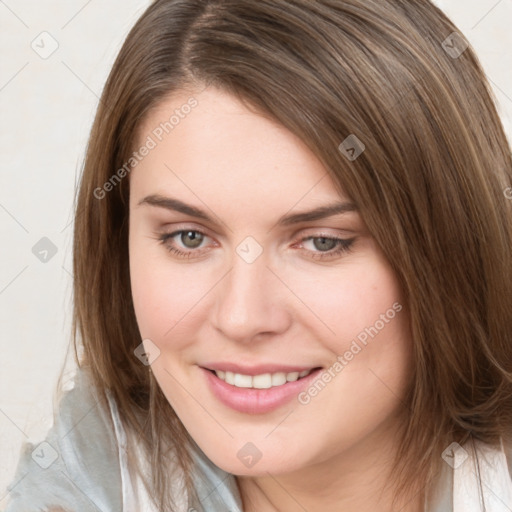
(86, 474)
(90, 473)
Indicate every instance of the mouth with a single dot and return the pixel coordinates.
(258, 391)
(262, 380)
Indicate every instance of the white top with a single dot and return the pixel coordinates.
(81, 467)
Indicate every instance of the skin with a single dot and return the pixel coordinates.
(246, 171)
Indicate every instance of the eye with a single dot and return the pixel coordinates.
(187, 243)
(184, 243)
(323, 244)
(191, 239)
(324, 247)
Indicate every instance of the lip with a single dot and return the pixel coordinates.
(255, 370)
(256, 401)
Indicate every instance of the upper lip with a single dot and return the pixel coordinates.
(259, 369)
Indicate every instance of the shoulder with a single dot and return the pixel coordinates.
(81, 465)
(508, 454)
(482, 478)
(76, 467)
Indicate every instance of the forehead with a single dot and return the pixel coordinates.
(221, 150)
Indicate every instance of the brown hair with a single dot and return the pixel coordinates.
(429, 185)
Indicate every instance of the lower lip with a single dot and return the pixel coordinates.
(256, 401)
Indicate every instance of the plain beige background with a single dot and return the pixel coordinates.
(47, 102)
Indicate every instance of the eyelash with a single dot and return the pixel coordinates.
(342, 245)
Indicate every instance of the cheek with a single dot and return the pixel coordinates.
(349, 301)
(361, 316)
(167, 299)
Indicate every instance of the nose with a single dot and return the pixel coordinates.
(251, 301)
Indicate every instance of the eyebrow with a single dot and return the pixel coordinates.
(321, 212)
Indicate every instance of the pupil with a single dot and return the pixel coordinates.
(324, 244)
(191, 239)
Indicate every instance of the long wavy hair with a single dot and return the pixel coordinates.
(432, 185)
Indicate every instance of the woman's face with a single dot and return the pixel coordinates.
(239, 264)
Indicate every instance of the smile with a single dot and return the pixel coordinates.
(262, 381)
(257, 391)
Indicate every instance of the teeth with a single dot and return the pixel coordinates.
(263, 381)
(278, 379)
(243, 381)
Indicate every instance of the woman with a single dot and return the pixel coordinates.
(292, 270)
